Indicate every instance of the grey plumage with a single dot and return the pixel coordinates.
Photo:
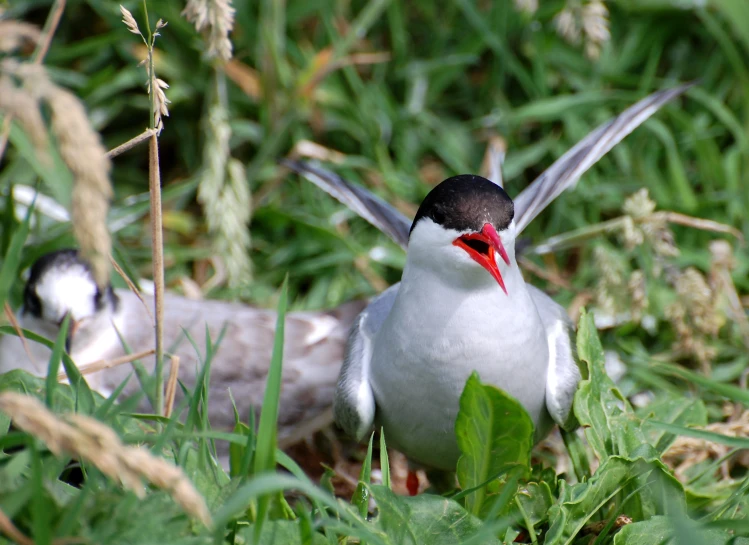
(568, 169)
(404, 367)
(313, 349)
(370, 207)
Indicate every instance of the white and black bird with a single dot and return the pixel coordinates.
(462, 305)
(103, 322)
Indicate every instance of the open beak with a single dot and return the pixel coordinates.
(482, 247)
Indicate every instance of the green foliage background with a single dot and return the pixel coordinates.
(456, 73)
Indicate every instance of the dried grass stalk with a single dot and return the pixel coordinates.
(10, 315)
(157, 234)
(83, 437)
(171, 386)
(9, 529)
(130, 144)
(216, 18)
(98, 365)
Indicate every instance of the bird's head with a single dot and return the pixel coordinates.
(465, 224)
(61, 284)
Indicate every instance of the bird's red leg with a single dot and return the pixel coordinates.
(412, 482)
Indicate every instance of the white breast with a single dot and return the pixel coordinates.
(433, 339)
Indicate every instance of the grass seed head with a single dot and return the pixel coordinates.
(130, 21)
(216, 18)
(224, 194)
(88, 439)
(81, 149)
(589, 21)
(15, 35)
(528, 6)
(25, 110)
(161, 110)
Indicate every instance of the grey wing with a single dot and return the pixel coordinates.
(370, 207)
(313, 352)
(568, 169)
(354, 403)
(563, 374)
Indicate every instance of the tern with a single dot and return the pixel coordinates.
(104, 321)
(462, 306)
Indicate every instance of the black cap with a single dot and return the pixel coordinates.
(59, 260)
(465, 203)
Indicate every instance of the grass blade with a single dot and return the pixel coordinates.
(361, 494)
(265, 452)
(384, 460)
(12, 260)
(54, 360)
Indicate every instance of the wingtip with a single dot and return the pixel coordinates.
(678, 90)
(294, 164)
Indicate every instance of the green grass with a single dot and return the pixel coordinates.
(458, 73)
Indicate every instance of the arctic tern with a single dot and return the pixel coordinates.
(61, 283)
(462, 306)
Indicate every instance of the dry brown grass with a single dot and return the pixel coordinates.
(85, 438)
(686, 452)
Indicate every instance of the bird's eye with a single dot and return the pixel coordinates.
(32, 304)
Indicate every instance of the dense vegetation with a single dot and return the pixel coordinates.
(397, 96)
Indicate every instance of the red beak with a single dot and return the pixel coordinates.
(482, 247)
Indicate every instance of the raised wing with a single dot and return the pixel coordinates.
(370, 207)
(562, 175)
(568, 169)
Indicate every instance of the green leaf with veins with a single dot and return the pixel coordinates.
(493, 431)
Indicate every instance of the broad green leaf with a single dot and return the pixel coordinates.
(493, 431)
(425, 519)
(24, 382)
(654, 531)
(278, 532)
(671, 409)
(577, 504)
(678, 530)
(610, 424)
(209, 481)
(535, 500)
